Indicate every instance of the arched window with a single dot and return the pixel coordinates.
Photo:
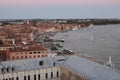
(46, 75)
(12, 68)
(28, 77)
(24, 77)
(38, 55)
(38, 76)
(51, 74)
(57, 74)
(26, 57)
(7, 69)
(9, 78)
(42, 55)
(13, 57)
(17, 78)
(34, 77)
(21, 57)
(29, 56)
(2, 70)
(54, 64)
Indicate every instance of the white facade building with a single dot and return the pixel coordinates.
(56, 68)
(30, 69)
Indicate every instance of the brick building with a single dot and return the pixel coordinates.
(27, 53)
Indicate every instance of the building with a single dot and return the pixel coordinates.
(27, 53)
(9, 52)
(56, 68)
(78, 68)
(3, 51)
(30, 69)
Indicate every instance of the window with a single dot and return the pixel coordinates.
(24, 77)
(38, 76)
(21, 57)
(54, 64)
(30, 56)
(30, 53)
(34, 56)
(7, 69)
(17, 57)
(41, 63)
(26, 57)
(9, 78)
(28, 77)
(12, 78)
(34, 77)
(17, 78)
(38, 55)
(57, 74)
(46, 75)
(38, 52)
(34, 52)
(51, 74)
(2, 70)
(12, 69)
(13, 57)
(42, 55)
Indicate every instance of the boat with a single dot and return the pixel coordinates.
(62, 40)
(91, 25)
(74, 29)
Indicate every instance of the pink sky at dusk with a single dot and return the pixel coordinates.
(57, 2)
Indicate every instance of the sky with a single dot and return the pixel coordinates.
(51, 9)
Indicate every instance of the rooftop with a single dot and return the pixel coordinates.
(30, 64)
(35, 48)
(79, 65)
(92, 70)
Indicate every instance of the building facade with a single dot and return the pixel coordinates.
(30, 69)
(56, 68)
(40, 74)
(27, 53)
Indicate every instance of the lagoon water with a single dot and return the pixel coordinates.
(98, 41)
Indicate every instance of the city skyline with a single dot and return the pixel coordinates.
(28, 9)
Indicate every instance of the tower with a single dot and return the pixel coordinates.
(31, 36)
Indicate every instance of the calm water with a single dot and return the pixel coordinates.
(99, 41)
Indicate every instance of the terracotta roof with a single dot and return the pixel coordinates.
(20, 49)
